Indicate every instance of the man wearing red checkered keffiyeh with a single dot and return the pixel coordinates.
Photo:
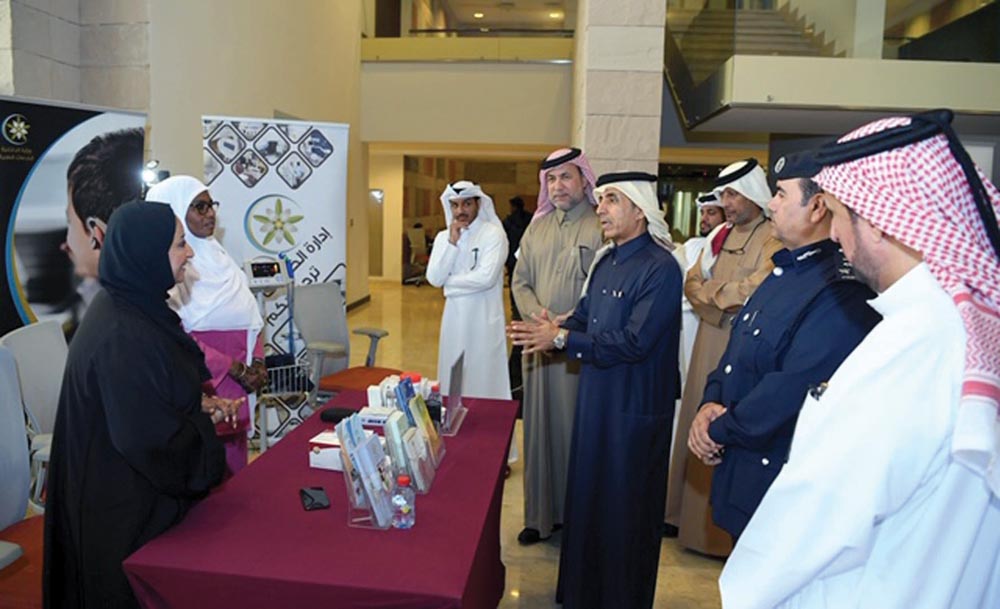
(890, 494)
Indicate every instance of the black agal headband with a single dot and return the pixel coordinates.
(922, 126)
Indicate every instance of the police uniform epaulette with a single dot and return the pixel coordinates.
(840, 269)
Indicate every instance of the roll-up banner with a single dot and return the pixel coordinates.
(282, 188)
(38, 140)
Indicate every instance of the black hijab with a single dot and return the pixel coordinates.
(135, 270)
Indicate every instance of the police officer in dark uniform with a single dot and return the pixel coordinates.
(788, 339)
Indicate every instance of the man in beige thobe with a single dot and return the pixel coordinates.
(556, 252)
(742, 259)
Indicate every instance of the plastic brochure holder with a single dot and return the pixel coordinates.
(367, 477)
(452, 419)
(417, 414)
(409, 451)
(361, 516)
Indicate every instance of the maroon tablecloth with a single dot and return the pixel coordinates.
(251, 545)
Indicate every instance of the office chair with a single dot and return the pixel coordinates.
(40, 351)
(419, 256)
(321, 317)
(14, 468)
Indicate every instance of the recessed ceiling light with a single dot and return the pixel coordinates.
(478, 15)
(555, 15)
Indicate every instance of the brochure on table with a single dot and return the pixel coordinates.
(409, 451)
(413, 446)
(413, 406)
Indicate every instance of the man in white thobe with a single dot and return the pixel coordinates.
(889, 496)
(712, 221)
(712, 215)
(467, 260)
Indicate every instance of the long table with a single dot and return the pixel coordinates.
(251, 545)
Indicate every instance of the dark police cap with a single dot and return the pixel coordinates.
(808, 163)
(922, 126)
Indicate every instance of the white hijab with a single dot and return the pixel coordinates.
(215, 294)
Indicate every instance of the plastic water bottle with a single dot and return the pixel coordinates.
(404, 509)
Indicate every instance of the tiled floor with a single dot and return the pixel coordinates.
(412, 317)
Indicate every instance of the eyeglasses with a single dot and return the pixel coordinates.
(202, 207)
(743, 248)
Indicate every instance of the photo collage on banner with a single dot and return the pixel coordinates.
(282, 188)
(37, 144)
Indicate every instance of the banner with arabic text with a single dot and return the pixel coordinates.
(282, 188)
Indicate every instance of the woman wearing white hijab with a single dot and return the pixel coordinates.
(217, 309)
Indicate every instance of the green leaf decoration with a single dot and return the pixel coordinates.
(277, 207)
(263, 219)
(269, 237)
(288, 236)
(294, 219)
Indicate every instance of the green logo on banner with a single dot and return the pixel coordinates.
(271, 223)
(15, 129)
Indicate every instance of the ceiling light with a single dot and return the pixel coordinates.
(478, 15)
(555, 15)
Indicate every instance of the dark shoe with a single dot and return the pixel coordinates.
(528, 537)
(506, 472)
(669, 530)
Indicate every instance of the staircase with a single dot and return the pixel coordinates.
(708, 37)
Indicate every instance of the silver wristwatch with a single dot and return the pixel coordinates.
(559, 342)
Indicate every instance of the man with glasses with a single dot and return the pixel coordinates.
(743, 251)
(467, 260)
(556, 252)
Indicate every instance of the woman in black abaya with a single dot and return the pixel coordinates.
(132, 448)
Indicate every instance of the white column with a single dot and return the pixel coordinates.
(618, 83)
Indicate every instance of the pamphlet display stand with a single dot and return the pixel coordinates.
(360, 516)
(368, 477)
(410, 452)
(452, 420)
(415, 409)
(454, 414)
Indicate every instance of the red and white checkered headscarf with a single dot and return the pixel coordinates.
(545, 205)
(919, 195)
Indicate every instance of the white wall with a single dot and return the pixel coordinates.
(221, 57)
(495, 103)
(386, 172)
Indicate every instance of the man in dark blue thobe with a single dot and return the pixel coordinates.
(789, 338)
(625, 331)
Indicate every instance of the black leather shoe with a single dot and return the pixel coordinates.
(529, 536)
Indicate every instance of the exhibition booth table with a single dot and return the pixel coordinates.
(251, 545)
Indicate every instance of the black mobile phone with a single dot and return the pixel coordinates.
(314, 498)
